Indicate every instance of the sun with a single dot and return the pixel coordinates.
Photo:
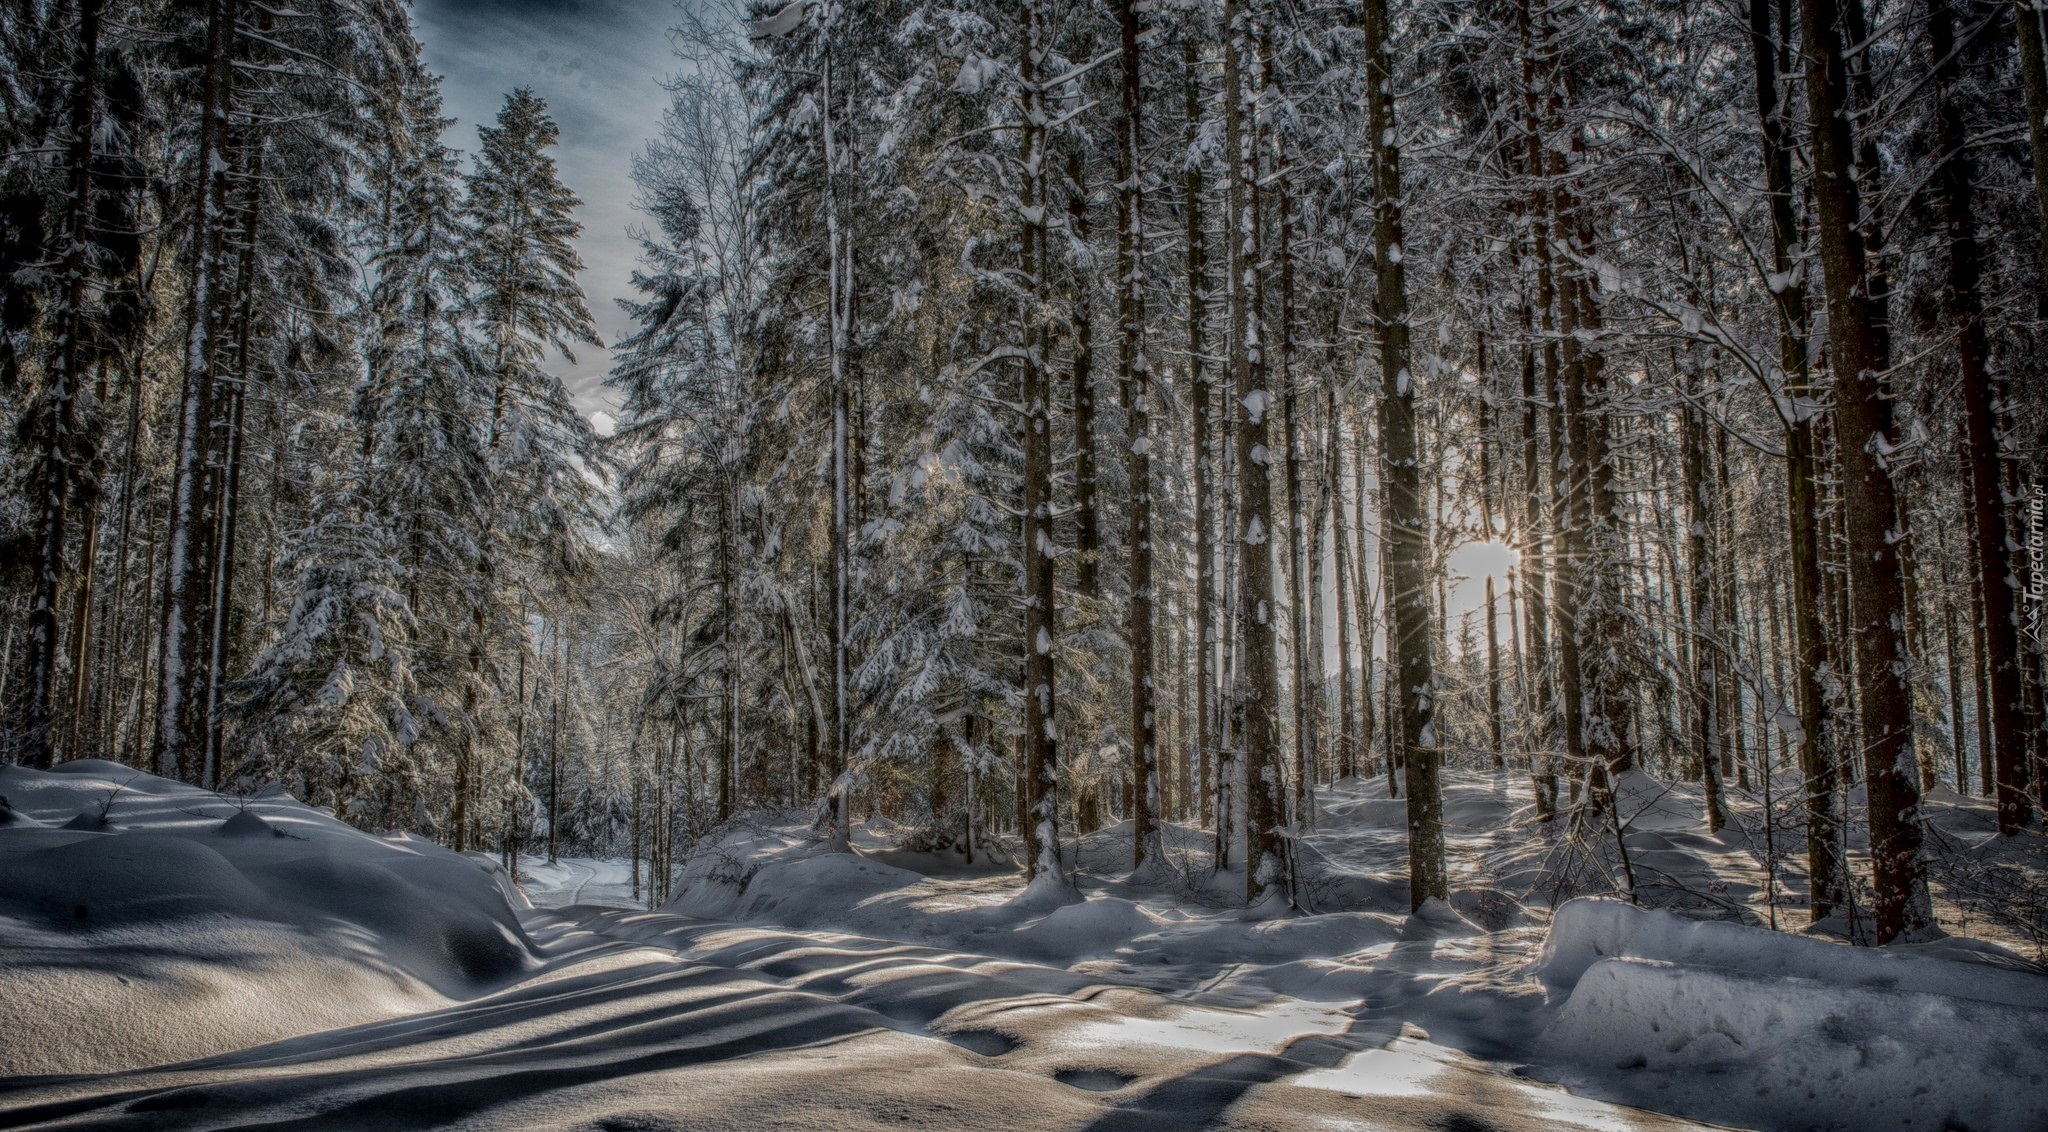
(1479, 560)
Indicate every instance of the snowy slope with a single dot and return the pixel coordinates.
(256, 964)
(143, 921)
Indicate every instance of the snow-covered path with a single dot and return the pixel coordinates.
(605, 882)
(173, 959)
(655, 1022)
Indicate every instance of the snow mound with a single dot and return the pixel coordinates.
(249, 823)
(211, 923)
(1587, 931)
(1767, 1030)
(1047, 892)
(1099, 925)
(1808, 1054)
(787, 891)
(723, 864)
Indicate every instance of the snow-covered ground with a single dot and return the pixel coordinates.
(602, 881)
(173, 959)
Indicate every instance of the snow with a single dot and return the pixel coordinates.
(606, 882)
(221, 922)
(252, 962)
(1813, 1053)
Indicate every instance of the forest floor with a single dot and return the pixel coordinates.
(173, 959)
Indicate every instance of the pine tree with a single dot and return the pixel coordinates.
(526, 301)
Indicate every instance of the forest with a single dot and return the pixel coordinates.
(1149, 448)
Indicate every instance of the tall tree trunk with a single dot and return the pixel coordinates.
(1202, 378)
(1565, 550)
(181, 707)
(1340, 540)
(1863, 424)
(839, 268)
(1772, 52)
(1707, 637)
(1258, 690)
(63, 445)
(1951, 648)
(1136, 376)
(1727, 619)
(729, 698)
(2028, 15)
(86, 735)
(1493, 718)
(231, 421)
(1997, 573)
(1368, 612)
(1535, 678)
(1406, 524)
(1306, 655)
(1087, 457)
(1041, 739)
(1606, 722)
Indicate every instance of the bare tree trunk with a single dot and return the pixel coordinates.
(729, 706)
(2027, 15)
(1997, 574)
(1087, 457)
(555, 749)
(1566, 537)
(231, 426)
(1406, 524)
(181, 708)
(1535, 677)
(1307, 667)
(1772, 52)
(839, 268)
(1368, 615)
(85, 737)
(1041, 738)
(1201, 377)
(1727, 616)
(64, 446)
(1863, 422)
(1707, 637)
(1954, 676)
(1340, 539)
(1136, 376)
(1258, 690)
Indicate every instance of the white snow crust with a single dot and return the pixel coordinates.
(206, 962)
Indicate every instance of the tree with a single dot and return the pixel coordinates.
(542, 508)
(1863, 427)
(1406, 522)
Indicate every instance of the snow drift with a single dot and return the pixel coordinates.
(144, 920)
(1769, 1030)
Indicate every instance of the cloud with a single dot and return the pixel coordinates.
(599, 67)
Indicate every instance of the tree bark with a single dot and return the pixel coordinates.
(1863, 425)
(1771, 52)
(1040, 550)
(63, 443)
(1706, 624)
(1202, 378)
(1266, 871)
(181, 706)
(1136, 374)
(1087, 458)
(1997, 574)
(2028, 16)
(1406, 523)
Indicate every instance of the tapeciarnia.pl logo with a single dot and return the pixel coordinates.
(2036, 589)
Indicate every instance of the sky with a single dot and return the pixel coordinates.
(598, 64)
